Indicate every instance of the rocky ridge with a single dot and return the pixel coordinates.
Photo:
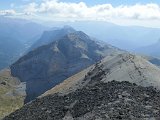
(122, 67)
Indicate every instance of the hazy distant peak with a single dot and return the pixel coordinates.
(67, 27)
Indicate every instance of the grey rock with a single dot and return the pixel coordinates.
(96, 102)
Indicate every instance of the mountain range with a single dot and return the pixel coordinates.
(28, 35)
(20, 29)
(76, 74)
(16, 36)
(9, 50)
(124, 37)
(151, 50)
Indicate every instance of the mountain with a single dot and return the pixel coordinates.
(123, 37)
(151, 50)
(20, 29)
(12, 93)
(118, 87)
(153, 60)
(52, 35)
(9, 50)
(122, 67)
(48, 65)
(16, 35)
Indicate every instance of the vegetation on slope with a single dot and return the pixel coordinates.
(9, 99)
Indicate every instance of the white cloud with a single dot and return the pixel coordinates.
(81, 11)
(31, 8)
(55, 10)
(7, 12)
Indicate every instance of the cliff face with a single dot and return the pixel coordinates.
(95, 95)
(48, 65)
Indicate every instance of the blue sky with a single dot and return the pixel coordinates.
(5, 4)
(125, 12)
(114, 2)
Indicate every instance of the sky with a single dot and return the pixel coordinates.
(123, 12)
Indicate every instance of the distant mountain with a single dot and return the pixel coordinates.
(20, 29)
(153, 60)
(124, 37)
(16, 35)
(151, 50)
(49, 65)
(118, 87)
(10, 49)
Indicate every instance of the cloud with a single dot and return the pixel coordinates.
(57, 10)
(7, 12)
(81, 11)
(31, 8)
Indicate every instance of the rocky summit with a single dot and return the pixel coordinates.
(95, 96)
(48, 65)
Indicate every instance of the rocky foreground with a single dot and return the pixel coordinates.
(101, 101)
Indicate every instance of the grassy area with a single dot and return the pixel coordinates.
(9, 104)
(9, 101)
